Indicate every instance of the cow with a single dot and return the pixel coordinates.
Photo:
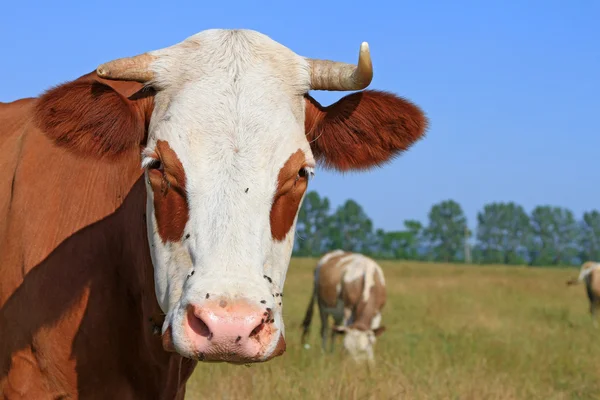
(590, 274)
(350, 287)
(148, 209)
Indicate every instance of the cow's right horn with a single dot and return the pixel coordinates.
(135, 68)
(334, 75)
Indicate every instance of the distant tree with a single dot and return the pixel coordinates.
(350, 229)
(446, 230)
(502, 233)
(312, 225)
(415, 242)
(555, 236)
(590, 237)
(505, 234)
(400, 244)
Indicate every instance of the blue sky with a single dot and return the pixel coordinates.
(511, 88)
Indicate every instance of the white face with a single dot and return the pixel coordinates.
(232, 142)
(227, 133)
(359, 344)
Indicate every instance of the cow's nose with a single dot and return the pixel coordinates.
(230, 331)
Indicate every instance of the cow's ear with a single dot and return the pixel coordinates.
(363, 129)
(379, 330)
(95, 117)
(340, 330)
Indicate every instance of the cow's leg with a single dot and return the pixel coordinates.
(347, 316)
(341, 319)
(324, 327)
(332, 337)
(594, 305)
(337, 322)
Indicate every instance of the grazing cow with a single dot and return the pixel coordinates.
(351, 288)
(590, 274)
(147, 209)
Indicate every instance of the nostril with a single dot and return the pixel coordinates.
(198, 325)
(257, 330)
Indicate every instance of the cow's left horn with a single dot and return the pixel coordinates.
(332, 75)
(128, 69)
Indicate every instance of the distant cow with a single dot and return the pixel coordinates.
(590, 274)
(351, 288)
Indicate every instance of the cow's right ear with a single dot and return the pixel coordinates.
(94, 116)
(362, 130)
(340, 330)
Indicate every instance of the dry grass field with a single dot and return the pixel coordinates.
(454, 332)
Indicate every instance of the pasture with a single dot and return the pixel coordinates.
(453, 332)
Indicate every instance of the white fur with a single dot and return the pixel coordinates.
(360, 345)
(230, 104)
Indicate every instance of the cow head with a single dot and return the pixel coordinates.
(233, 141)
(359, 342)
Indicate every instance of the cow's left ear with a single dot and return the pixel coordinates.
(363, 129)
(379, 330)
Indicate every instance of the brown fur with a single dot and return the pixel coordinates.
(77, 301)
(593, 288)
(170, 198)
(363, 129)
(330, 275)
(366, 310)
(290, 189)
(94, 117)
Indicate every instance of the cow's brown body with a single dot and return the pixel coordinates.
(78, 312)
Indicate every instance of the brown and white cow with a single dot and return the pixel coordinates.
(590, 274)
(350, 287)
(150, 205)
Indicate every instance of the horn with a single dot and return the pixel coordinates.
(332, 75)
(135, 68)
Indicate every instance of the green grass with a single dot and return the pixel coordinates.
(454, 332)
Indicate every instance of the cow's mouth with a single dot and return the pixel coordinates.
(205, 347)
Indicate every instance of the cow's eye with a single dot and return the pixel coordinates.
(156, 164)
(305, 173)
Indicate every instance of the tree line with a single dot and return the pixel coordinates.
(505, 234)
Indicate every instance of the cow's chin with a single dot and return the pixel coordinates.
(187, 341)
